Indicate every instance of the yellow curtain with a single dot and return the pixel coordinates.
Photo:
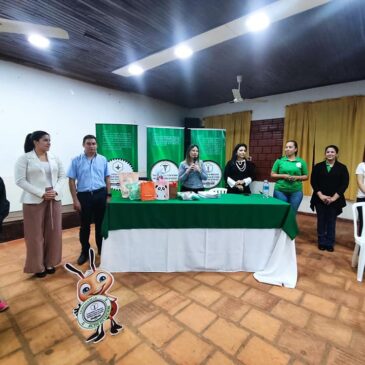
(299, 125)
(319, 124)
(237, 126)
(342, 122)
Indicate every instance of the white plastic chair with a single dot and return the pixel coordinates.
(359, 242)
(218, 190)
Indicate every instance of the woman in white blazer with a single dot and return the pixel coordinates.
(41, 176)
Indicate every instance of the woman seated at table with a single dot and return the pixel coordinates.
(240, 170)
(289, 172)
(329, 181)
(192, 171)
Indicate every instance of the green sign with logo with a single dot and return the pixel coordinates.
(119, 144)
(165, 151)
(212, 150)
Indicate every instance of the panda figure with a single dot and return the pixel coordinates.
(162, 191)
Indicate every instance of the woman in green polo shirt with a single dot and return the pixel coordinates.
(289, 172)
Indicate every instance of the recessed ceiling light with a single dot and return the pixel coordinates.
(183, 51)
(38, 40)
(257, 22)
(273, 12)
(135, 70)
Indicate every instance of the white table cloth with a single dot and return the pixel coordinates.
(269, 253)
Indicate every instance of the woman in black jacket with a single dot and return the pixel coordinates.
(329, 181)
(240, 170)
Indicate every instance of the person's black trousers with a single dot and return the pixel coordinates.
(361, 220)
(326, 225)
(93, 206)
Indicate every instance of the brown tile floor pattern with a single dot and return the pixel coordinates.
(192, 318)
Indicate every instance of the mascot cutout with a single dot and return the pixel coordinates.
(96, 305)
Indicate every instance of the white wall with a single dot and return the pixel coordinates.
(68, 109)
(274, 107)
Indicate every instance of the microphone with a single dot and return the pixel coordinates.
(195, 159)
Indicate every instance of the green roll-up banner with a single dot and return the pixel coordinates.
(212, 150)
(119, 144)
(165, 151)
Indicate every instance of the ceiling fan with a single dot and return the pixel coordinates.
(237, 97)
(14, 26)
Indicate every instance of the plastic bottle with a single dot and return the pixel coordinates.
(265, 189)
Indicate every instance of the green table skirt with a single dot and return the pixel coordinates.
(227, 211)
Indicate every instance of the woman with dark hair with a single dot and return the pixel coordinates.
(289, 172)
(240, 171)
(192, 171)
(41, 176)
(329, 181)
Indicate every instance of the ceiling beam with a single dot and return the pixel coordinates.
(276, 11)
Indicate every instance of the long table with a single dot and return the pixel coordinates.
(230, 233)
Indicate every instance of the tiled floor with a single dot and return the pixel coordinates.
(192, 318)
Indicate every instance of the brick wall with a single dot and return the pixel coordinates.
(266, 145)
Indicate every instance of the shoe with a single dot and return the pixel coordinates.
(3, 305)
(322, 248)
(50, 270)
(330, 249)
(82, 259)
(115, 328)
(97, 336)
(40, 274)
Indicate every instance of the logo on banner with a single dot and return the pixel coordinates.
(166, 169)
(116, 166)
(214, 173)
(94, 312)
(96, 305)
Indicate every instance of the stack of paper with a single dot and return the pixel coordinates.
(188, 195)
(208, 195)
(231, 182)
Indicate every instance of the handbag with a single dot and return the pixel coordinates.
(162, 189)
(173, 189)
(134, 191)
(124, 179)
(148, 190)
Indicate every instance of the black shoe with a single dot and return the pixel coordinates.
(330, 249)
(100, 336)
(51, 270)
(82, 259)
(40, 274)
(97, 336)
(322, 248)
(115, 328)
(93, 336)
